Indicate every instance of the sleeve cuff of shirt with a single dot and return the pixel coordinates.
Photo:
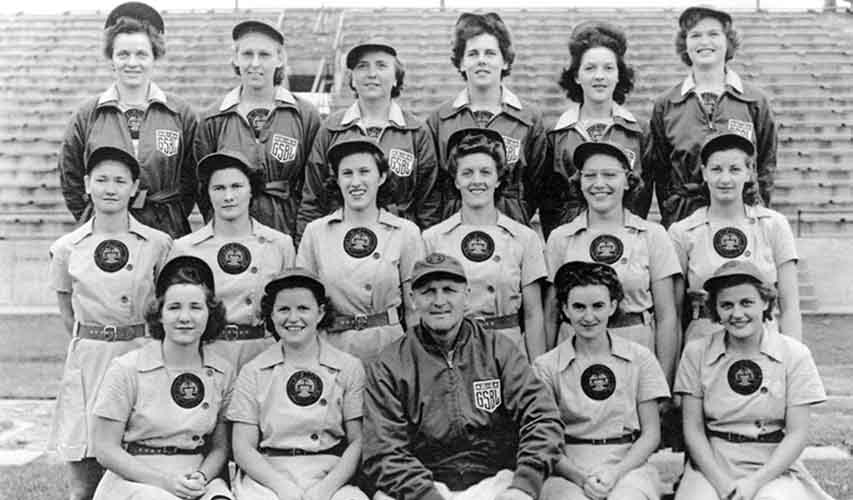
(528, 480)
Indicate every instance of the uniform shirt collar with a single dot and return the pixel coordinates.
(572, 115)
(151, 358)
(232, 98)
(205, 232)
(770, 346)
(395, 115)
(700, 216)
(733, 80)
(274, 356)
(619, 348)
(385, 217)
(507, 97)
(454, 221)
(134, 226)
(155, 94)
(581, 223)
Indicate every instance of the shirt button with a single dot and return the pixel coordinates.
(205, 405)
(315, 437)
(758, 423)
(747, 253)
(490, 289)
(764, 390)
(376, 255)
(323, 402)
(129, 267)
(124, 299)
(249, 301)
(624, 260)
(209, 372)
(196, 438)
(254, 269)
(368, 287)
(497, 258)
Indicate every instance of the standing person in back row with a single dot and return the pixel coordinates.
(134, 115)
(376, 76)
(483, 53)
(712, 99)
(265, 122)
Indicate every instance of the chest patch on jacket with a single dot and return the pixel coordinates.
(111, 255)
(234, 258)
(745, 377)
(478, 246)
(359, 242)
(729, 242)
(606, 249)
(598, 382)
(304, 388)
(283, 148)
(401, 162)
(487, 394)
(187, 390)
(513, 149)
(741, 128)
(167, 141)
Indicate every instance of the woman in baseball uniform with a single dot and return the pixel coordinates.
(608, 389)
(712, 99)
(640, 251)
(597, 82)
(243, 253)
(135, 115)
(734, 226)
(503, 259)
(483, 54)
(297, 407)
(103, 274)
(747, 393)
(159, 417)
(363, 253)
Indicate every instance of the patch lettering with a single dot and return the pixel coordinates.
(401, 162)
(234, 258)
(745, 377)
(304, 388)
(359, 242)
(478, 246)
(730, 242)
(111, 255)
(513, 149)
(487, 394)
(598, 382)
(167, 141)
(606, 248)
(187, 390)
(283, 148)
(742, 128)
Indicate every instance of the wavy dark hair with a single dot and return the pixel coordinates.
(732, 36)
(578, 273)
(255, 176)
(399, 76)
(590, 36)
(479, 143)
(129, 25)
(635, 188)
(470, 25)
(268, 302)
(384, 194)
(215, 308)
(766, 292)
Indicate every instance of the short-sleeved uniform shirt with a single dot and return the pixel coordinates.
(413, 166)
(279, 150)
(640, 253)
(681, 122)
(163, 406)
(499, 261)
(110, 278)
(557, 206)
(764, 238)
(299, 406)
(160, 137)
(363, 269)
(523, 132)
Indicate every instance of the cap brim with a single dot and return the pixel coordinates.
(588, 149)
(253, 26)
(356, 52)
(723, 142)
(345, 148)
(171, 267)
(220, 160)
(438, 275)
(294, 280)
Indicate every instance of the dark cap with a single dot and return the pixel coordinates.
(436, 266)
(587, 149)
(607, 29)
(294, 277)
(112, 153)
(371, 44)
(734, 268)
(724, 141)
(491, 134)
(200, 269)
(257, 26)
(703, 11)
(354, 145)
(139, 11)
(221, 160)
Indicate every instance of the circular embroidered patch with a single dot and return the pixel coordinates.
(134, 118)
(304, 388)
(257, 118)
(598, 382)
(729, 242)
(606, 248)
(745, 377)
(234, 258)
(596, 131)
(478, 246)
(111, 255)
(187, 390)
(359, 242)
(435, 258)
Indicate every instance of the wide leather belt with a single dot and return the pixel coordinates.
(109, 333)
(770, 437)
(497, 322)
(624, 319)
(623, 439)
(337, 450)
(361, 321)
(141, 449)
(234, 331)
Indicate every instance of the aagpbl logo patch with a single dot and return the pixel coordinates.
(606, 248)
(745, 129)
(111, 255)
(304, 388)
(187, 390)
(487, 394)
(477, 246)
(598, 382)
(729, 242)
(283, 148)
(513, 149)
(401, 162)
(745, 377)
(168, 141)
(234, 258)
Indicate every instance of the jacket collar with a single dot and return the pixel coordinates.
(151, 358)
(571, 116)
(395, 115)
(770, 346)
(581, 223)
(134, 227)
(700, 216)
(110, 96)
(385, 217)
(275, 355)
(510, 104)
(232, 98)
(733, 82)
(619, 347)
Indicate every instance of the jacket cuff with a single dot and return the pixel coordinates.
(528, 480)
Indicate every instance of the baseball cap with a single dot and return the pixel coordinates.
(437, 265)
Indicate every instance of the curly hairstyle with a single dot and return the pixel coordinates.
(751, 194)
(255, 176)
(399, 77)
(384, 194)
(471, 25)
(577, 273)
(268, 302)
(765, 291)
(479, 143)
(130, 25)
(215, 308)
(635, 188)
(591, 35)
(278, 75)
(732, 36)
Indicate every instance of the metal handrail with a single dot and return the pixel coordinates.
(801, 211)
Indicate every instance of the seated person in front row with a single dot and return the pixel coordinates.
(452, 410)
(607, 389)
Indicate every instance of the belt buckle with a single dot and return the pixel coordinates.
(230, 332)
(109, 332)
(359, 321)
(599, 442)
